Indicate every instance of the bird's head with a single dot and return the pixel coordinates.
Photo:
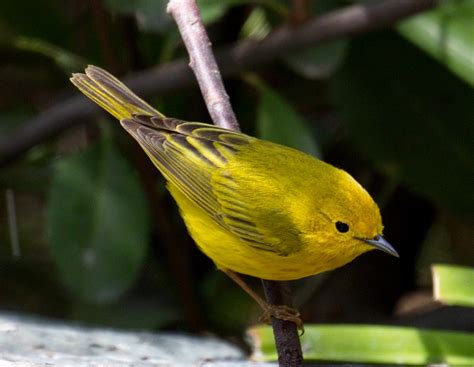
(348, 220)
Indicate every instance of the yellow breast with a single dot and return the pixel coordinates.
(230, 252)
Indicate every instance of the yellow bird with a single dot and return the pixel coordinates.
(252, 206)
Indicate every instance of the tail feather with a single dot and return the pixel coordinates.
(111, 94)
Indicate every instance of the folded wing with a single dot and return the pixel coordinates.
(193, 157)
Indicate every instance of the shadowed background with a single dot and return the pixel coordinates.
(88, 231)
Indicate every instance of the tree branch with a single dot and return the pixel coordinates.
(287, 341)
(348, 21)
(187, 16)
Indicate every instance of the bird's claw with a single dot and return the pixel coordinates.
(282, 312)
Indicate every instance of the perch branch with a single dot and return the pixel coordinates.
(187, 16)
(348, 21)
(287, 341)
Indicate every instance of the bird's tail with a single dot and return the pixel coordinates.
(111, 94)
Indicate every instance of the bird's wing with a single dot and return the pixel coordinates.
(189, 154)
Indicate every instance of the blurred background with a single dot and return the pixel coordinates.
(89, 233)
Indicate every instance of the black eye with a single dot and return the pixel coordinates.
(342, 227)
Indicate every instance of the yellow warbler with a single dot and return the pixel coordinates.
(252, 206)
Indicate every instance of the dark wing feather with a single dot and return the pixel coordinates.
(187, 153)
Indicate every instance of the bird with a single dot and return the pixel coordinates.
(252, 206)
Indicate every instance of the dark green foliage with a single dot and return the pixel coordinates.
(98, 223)
(399, 118)
(277, 121)
(411, 116)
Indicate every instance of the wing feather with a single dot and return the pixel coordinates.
(189, 155)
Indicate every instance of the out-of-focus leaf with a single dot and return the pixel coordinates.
(453, 285)
(279, 122)
(436, 247)
(63, 58)
(373, 344)
(318, 62)
(213, 10)
(321, 61)
(447, 34)
(411, 116)
(256, 26)
(98, 223)
(151, 15)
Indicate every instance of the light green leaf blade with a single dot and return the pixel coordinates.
(97, 223)
(453, 285)
(373, 344)
(447, 34)
(256, 26)
(279, 122)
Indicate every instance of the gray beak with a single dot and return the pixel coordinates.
(382, 244)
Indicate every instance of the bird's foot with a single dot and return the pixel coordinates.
(282, 312)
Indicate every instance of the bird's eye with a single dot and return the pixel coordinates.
(342, 227)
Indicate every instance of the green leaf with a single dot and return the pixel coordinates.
(321, 61)
(410, 116)
(213, 10)
(256, 26)
(453, 285)
(66, 60)
(150, 14)
(373, 344)
(279, 122)
(98, 223)
(318, 62)
(447, 34)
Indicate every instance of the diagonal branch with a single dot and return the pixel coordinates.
(202, 61)
(348, 21)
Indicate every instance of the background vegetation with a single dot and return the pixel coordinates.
(89, 233)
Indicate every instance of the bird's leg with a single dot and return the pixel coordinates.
(281, 312)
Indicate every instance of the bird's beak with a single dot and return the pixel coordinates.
(382, 244)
